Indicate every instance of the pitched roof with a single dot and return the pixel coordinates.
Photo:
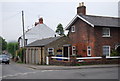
(102, 21)
(38, 32)
(43, 42)
(97, 21)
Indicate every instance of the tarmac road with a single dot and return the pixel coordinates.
(19, 71)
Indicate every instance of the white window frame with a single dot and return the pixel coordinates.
(52, 50)
(73, 29)
(88, 49)
(73, 49)
(109, 49)
(106, 33)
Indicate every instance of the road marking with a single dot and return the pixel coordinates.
(46, 70)
(17, 74)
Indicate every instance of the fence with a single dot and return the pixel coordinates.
(81, 60)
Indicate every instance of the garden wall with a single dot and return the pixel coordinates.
(85, 62)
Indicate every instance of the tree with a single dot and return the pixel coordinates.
(12, 47)
(3, 44)
(60, 30)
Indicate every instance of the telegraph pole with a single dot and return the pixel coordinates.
(23, 55)
(23, 29)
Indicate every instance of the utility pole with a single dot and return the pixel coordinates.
(23, 56)
(23, 29)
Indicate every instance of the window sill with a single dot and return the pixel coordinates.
(107, 56)
(106, 36)
(73, 55)
(88, 55)
(72, 31)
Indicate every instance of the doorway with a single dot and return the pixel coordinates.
(65, 51)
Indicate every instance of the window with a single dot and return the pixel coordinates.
(73, 50)
(106, 50)
(73, 29)
(88, 51)
(51, 51)
(106, 32)
(26, 41)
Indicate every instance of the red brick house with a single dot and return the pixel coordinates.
(92, 35)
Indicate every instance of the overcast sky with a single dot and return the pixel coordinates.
(53, 13)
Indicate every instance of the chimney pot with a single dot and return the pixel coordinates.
(79, 4)
(81, 9)
(82, 4)
(41, 20)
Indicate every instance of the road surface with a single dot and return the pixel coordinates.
(18, 71)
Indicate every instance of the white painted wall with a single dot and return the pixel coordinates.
(38, 32)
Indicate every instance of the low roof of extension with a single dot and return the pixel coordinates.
(42, 42)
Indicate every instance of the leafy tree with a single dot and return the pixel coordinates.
(60, 30)
(3, 44)
(12, 47)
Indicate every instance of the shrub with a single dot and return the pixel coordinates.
(21, 53)
(78, 64)
(115, 53)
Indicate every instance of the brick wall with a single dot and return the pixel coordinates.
(82, 37)
(60, 63)
(58, 44)
(101, 61)
(86, 62)
(100, 41)
(85, 35)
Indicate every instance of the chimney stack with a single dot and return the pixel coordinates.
(41, 20)
(36, 23)
(81, 9)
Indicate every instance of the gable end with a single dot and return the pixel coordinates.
(73, 20)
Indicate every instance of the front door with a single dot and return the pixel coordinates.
(65, 52)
